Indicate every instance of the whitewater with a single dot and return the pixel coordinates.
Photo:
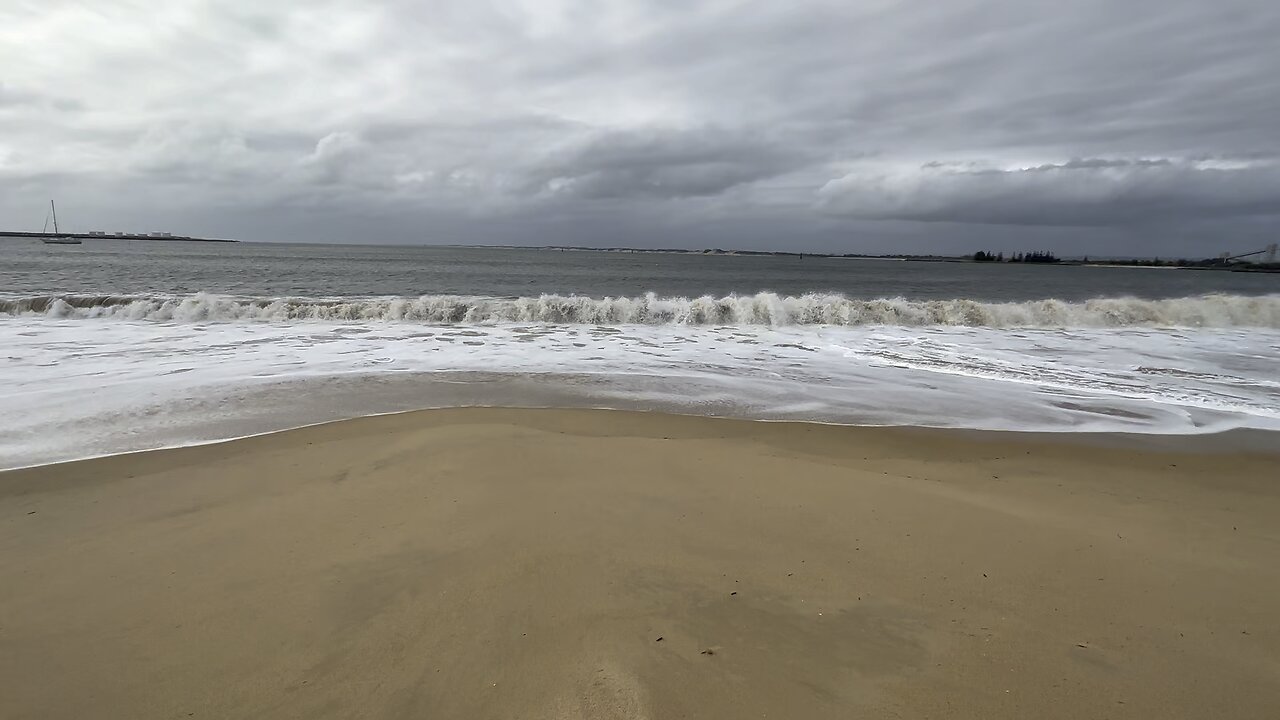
(90, 374)
(765, 308)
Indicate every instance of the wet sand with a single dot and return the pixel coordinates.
(594, 564)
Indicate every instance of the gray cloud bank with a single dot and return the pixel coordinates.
(861, 125)
(1089, 192)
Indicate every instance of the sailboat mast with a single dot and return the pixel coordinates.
(54, 210)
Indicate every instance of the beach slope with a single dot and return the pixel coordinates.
(489, 563)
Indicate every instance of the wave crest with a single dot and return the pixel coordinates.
(760, 309)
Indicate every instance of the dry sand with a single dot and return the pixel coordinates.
(591, 564)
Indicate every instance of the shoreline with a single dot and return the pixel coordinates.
(113, 236)
(614, 564)
(1172, 264)
(1211, 441)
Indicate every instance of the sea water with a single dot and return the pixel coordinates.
(108, 347)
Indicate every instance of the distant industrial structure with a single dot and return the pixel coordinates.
(104, 235)
(123, 234)
(1268, 255)
(62, 237)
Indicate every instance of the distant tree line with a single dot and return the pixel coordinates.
(1038, 256)
(1044, 257)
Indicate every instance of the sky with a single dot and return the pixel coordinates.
(1122, 127)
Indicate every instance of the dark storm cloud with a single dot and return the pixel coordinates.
(661, 164)
(846, 121)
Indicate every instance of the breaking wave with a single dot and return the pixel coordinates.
(760, 309)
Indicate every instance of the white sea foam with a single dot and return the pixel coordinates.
(74, 385)
(763, 309)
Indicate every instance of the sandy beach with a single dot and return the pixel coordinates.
(487, 563)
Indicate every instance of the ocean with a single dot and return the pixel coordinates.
(115, 346)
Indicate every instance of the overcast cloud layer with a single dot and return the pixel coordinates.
(1134, 127)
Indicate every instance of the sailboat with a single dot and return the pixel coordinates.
(56, 238)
